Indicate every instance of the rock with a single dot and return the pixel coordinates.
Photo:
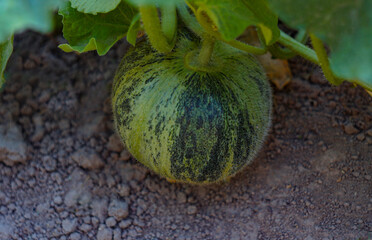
(42, 208)
(5, 230)
(71, 197)
(124, 155)
(110, 222)
(118, 209)
(38, 134)
(361, 136)
(63, 124)
(99, 208)
(369, 132)
(104, 233)
(87, 159)
(85, 227)
(181, 197)
(57, 200)
(117, 234)
(69, 225)
(13, 149)
(3, 198)
(350, 129)
(75, 236)
(93, 125)
(125, 223)
(123, 190)
(114, 144)
(49, 163)
(191, 210)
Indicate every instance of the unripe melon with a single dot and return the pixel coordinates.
(191, 124)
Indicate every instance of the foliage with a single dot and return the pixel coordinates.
(86, 32)
(342, 25)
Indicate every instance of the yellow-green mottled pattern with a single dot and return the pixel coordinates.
(191, 126)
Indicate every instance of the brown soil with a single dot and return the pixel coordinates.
(312, 179)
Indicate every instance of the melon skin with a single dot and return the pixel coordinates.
(189, 125)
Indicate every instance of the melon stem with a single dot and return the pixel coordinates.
(151, 23)
(206, 50)
(169, 21)
(323, 60)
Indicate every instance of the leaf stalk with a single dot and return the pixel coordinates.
(151, 22)
(323, 60)
(206, 50)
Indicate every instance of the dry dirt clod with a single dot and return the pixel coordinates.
(110, 222)
(75, 236)
(350, 129)
(125, 223)
(191, 210)
(13, 148)
(49, 163)
(88, 159)
(124, 155)
(104, 233)
(99, 208)
(361, 136)
(69, 225)
(118, 209)
(369, 132)
(114, 144)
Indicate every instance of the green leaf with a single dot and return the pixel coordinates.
(6, 49)
(232, 17)
(344, 25)
(94, 6)
(154, 2)
(18, 15)
(85, 32)
(134, 27)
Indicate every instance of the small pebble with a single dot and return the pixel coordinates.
(123, 190)
(110, 222)
(75, 236)
(125, 224)
(104, 233)
(124, 155)
(99, 209)
(361, 136)
(58, 200)
(114, 144)
(118, 209)
(117, 234)
(181, 197)
(50, 164)
(69, 225)
(85, 227)
(191, 210)
(369, 132)
(87, 159)
(350, 129)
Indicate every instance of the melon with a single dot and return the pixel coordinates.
(188, 123)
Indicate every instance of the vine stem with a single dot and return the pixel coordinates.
(151, 23)
(189, 20)
(169, 21)
(206, 50)
(323, 60)
(284, 53)
(207, 25)
(298, 48)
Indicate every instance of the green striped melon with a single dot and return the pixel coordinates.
(187, 123)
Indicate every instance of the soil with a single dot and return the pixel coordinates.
(65, 175)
